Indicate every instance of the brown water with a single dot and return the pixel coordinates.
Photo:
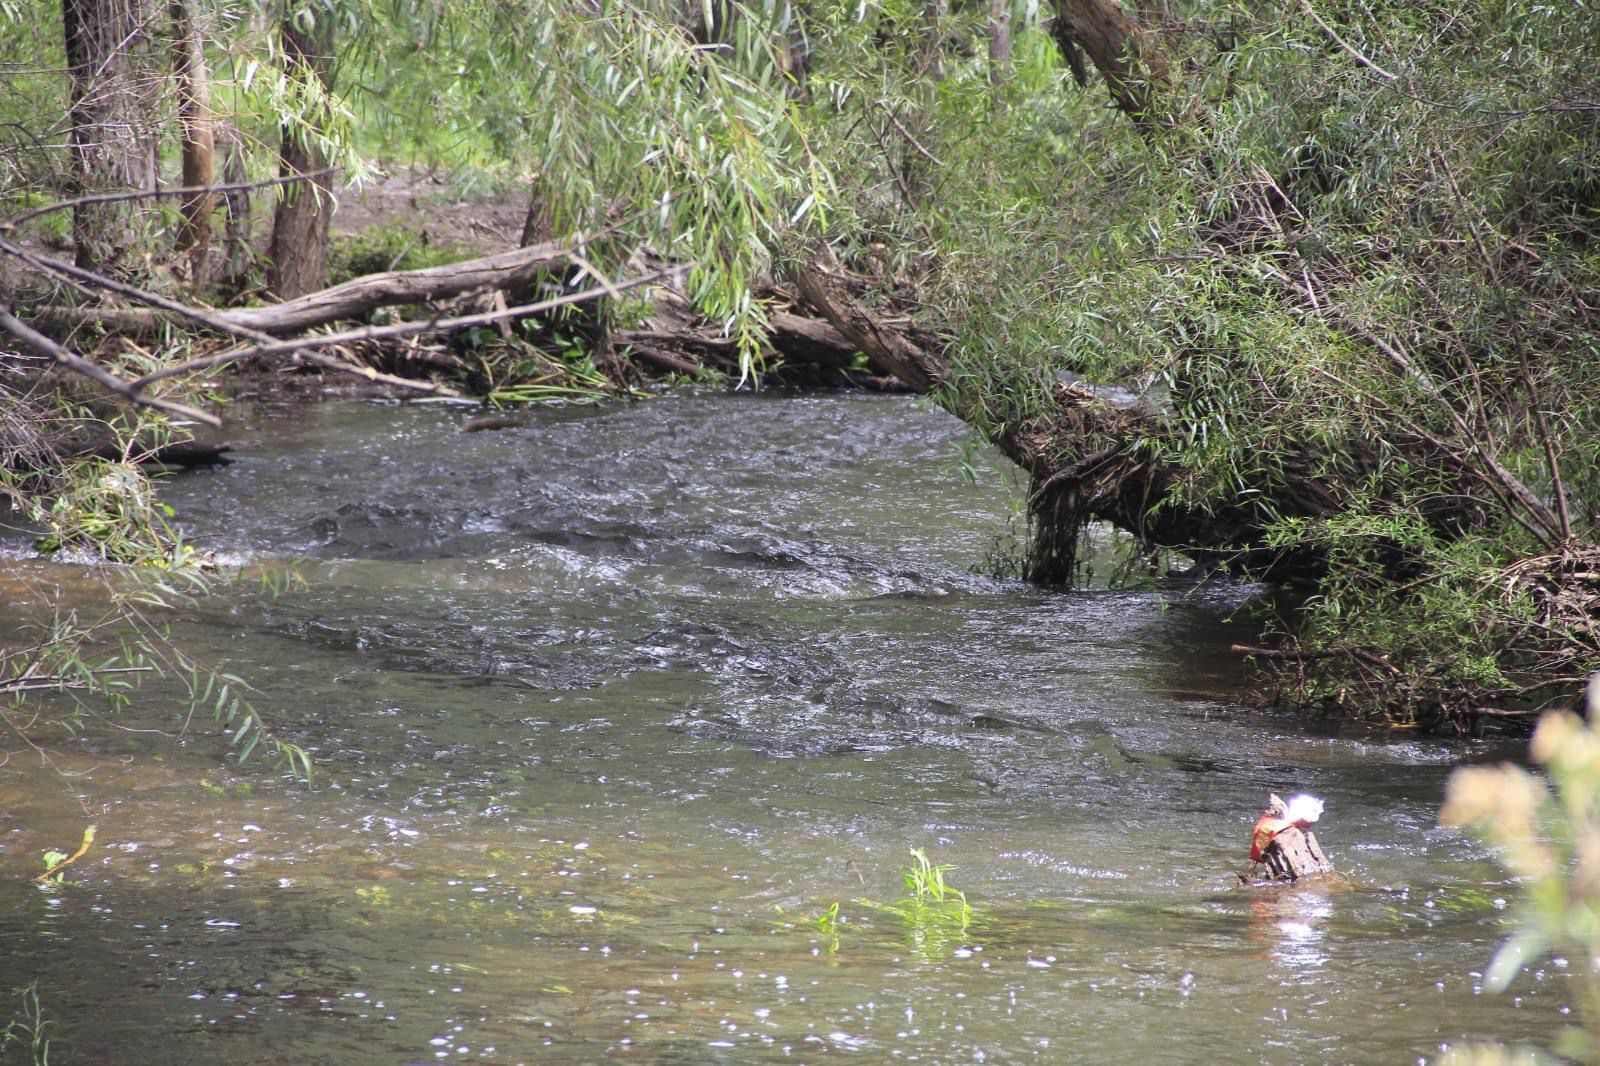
(607, 710)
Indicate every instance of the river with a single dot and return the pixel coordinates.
(607, 712)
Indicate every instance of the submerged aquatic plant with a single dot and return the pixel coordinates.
(827, 924)
(26, 1030)
(925, 886)
(936, 916)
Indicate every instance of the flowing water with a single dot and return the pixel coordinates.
(608, 710)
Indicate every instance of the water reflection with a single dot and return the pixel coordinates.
(1288, 923)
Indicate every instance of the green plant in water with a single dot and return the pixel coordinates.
(1549, 837)
(26, 1031)
(53, 859)
(543, 367)
(827, 924)
(106, 656)
(935, 915)
(925, 885)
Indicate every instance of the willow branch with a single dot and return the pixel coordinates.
(1349, 49)
(1520, 492)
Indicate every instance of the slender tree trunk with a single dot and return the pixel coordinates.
(238, 255)
(999, 51)
(300, 223)
(196, 134)
(113, 88)
(536, 225)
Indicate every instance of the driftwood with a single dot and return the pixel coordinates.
(887, 349)
(1293, 854)
(682, 347)
(187, 454)
(352, 299)
(46, 348)
(508, 270)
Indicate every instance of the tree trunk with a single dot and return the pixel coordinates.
(107, 50)
(300, 224)
(536, 225)
(196, 135)
(888, 351)
(238, 254)
(1121, 50)
(999, 52)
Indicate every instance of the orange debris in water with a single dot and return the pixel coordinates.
(1300, 811)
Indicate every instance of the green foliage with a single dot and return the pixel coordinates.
(25, 1032)
(110, 509)
(378, 249)
(935, 915)
(103, 652)
(1377, 288)
(621, 120)
(549, 365)
(107, 655)
(1549, 838)
(827, 924)
(53, 859)
(31, 55)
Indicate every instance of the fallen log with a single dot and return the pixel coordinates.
(354, 298)
(811, 340)
(682, 347)
(888, 351)
(663, 358)
(351, 299)
(185, 454)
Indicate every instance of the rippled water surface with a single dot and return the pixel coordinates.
(609, 709)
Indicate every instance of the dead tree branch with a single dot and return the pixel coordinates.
(44, 346)
(10, 224)
(302, 345)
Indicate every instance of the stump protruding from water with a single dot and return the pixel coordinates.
(1294, 853)
(1282, 842)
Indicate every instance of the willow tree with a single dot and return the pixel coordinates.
(626, 124)
(1346, 256)
(115, 83)
(304, 213)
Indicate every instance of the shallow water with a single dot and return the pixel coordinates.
(607, 710)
